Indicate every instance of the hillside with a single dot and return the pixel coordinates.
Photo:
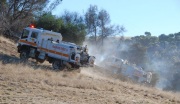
(38, 83)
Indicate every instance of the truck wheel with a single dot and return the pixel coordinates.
(24, 55)
(57, 65)
(76, 66)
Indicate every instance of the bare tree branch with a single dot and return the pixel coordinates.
(16, 14)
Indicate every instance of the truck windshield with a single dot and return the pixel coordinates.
(25, 34)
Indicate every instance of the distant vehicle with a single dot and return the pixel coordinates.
(44, 45)
(128, 70)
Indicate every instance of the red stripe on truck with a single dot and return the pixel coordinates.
(30, 43)
(55, 52)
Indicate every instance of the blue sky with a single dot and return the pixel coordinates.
(137, 16)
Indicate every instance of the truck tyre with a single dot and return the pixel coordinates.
(76, 66)
(24, 55)
(57, 65)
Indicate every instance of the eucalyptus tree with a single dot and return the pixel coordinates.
(105, 27)
(92, 22)
(16, 14)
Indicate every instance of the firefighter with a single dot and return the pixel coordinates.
(84, 54)
(86, 49)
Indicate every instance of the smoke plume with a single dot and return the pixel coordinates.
(162, 62)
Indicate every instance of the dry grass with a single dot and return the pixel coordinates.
(5, 40)
(30, 83)
(7, 46)
(20, 83)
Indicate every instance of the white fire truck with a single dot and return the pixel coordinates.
(44, 45)
(128, 70)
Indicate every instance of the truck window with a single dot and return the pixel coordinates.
(25, 34)
(34, 35)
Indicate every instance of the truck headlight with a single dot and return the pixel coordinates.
(77, 58)
(17, 44)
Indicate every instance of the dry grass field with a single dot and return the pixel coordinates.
(28, 83)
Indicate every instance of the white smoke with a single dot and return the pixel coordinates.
(114, 47)
(164, 74)
(101, 52)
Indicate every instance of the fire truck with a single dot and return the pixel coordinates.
(41, 45)
(123, 67)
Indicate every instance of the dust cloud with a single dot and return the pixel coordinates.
(165, 71)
